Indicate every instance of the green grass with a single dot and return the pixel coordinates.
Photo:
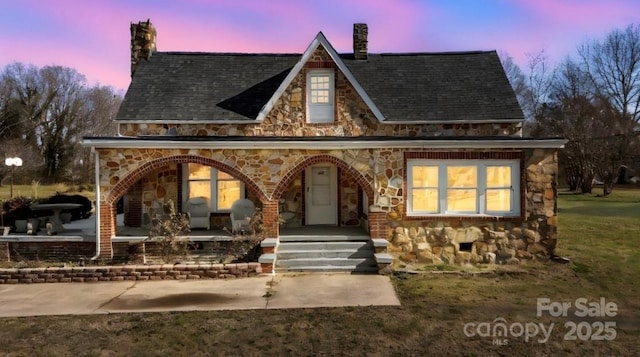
(37, 191)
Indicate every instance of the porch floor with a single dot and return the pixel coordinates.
(84, 230)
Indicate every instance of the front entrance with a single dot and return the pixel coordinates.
(321, 195)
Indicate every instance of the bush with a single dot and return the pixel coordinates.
(16, 208)
(76, 213)
(169, 231)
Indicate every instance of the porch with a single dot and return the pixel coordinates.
(304, 248)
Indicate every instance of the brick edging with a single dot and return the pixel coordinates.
(128, 272)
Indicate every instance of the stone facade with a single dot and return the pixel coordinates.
(469, 240)
(379, 174)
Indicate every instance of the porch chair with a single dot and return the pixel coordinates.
(197, 209)
(241, 212)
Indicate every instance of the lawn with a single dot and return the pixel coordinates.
(37, 191)
(601, 237)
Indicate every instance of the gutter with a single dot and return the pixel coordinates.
(252, 142)
(97, 163)
(259, 120)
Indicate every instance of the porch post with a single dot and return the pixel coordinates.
(378, 225)
(270, 219)
(271, 223)
(107, 229)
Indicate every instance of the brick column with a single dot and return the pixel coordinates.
(271, 219)
(378, 224)
(271, 223)
(107, 229)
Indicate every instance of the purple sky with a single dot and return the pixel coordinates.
(93, 36)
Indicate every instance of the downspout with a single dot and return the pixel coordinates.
(97, 211)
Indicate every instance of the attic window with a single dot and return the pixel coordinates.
(320, 96)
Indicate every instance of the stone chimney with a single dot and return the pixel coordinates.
(360, 32)
(143, 42)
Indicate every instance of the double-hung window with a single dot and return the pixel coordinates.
(320, 96)
(463, 187)
(220, 188)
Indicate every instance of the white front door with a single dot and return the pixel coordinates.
(322, 195)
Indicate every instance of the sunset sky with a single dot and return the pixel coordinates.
(93, 36)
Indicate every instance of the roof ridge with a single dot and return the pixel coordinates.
(247, 54)
(289, 54)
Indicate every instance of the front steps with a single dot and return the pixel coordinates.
(325, 253)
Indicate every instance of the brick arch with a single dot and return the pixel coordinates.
(318, 159)
(123, 185)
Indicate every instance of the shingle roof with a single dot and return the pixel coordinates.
(437, 86)
(203, 86)
(405, 87)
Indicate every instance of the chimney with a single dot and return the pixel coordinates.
(360, 33)
(143, 42)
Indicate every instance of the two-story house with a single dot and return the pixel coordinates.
(418, 154)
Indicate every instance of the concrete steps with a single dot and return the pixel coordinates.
(310, 253)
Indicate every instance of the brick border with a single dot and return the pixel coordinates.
(128, 272)
(123, 185)
(320, 159)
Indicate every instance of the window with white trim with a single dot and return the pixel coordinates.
(463, 187)
(320, 96)
(220, 188)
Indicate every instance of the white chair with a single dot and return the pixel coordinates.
(197, 209)
(241, 212)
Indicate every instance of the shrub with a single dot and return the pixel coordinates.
(76, 213)
(16, 208)
(170, 231)
(245, 247)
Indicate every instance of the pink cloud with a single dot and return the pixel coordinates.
(95, 39)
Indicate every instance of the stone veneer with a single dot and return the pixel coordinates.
(379, 173)
(474, 240)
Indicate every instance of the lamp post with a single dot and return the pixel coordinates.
(12, 162)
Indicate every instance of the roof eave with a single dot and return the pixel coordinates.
(430, 143)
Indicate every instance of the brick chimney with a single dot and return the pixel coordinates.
(360, 32)
(143, 42)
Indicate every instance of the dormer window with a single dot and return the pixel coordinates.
(320, 96)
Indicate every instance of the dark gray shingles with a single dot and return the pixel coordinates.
(437, 86)
(199, 86)
(420, 87)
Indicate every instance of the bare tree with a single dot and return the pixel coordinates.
(533, 90)
(48, 110)
(102, 106)
(516, 78)
(613, 65)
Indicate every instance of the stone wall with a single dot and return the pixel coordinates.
(462, 240)
(128, 272)
(348, 201)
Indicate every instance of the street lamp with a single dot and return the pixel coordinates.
(12, 162)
